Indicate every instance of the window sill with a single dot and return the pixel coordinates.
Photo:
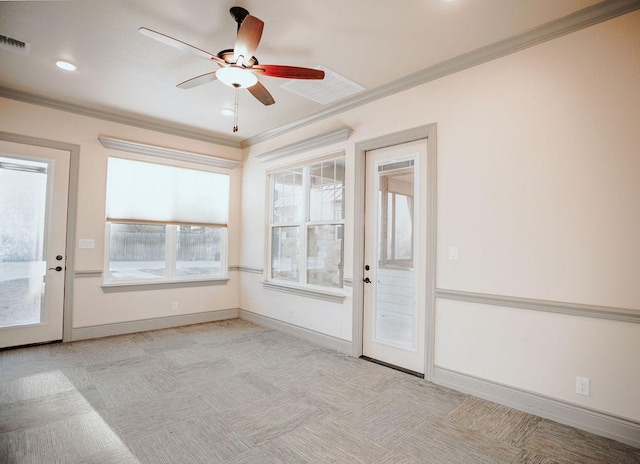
(326, 295)
(161, 285)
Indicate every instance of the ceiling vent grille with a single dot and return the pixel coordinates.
(333, 87)
(14, 45)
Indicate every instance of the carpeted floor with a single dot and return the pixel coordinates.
(234, 392)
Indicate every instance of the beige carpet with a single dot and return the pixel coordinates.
(234, 392)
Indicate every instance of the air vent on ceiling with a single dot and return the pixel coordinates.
(333, 87)
(14, 45)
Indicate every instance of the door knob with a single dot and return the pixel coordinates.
(57, 268)
(366, 280)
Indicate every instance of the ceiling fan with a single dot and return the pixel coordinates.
(238, 67)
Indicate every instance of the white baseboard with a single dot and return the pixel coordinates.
(580, 417)
(121, 328)
(338, 344)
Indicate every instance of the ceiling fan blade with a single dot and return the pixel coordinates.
(180, 45)
(261, 93)
(198, 80)
(287, 72)
(248, 38)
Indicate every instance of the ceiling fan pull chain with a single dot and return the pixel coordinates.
(235, 110)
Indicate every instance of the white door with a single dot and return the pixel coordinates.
(34, 184)
(395, 256)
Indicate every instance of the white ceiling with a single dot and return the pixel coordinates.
(120, 71)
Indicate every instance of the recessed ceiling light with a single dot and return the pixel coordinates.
(66, 65)
(227, 111)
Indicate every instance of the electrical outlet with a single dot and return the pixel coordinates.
(582, 386)
(174, 306)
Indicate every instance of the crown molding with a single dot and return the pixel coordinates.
(581, 19)
(333, 136)
(167, 153)
(113, 117)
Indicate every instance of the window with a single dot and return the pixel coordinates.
(165, 223)
(307, 224)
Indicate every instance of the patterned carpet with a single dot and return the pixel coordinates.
(234, 392)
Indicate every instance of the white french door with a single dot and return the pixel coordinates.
(34, 185)
(395, 256)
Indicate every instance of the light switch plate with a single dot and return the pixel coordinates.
(86, 243)
(453, 253)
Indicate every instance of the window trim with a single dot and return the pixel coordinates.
(301, 287)
(319, 293)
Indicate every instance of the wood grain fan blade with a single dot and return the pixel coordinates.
(198, 80)
(261, 93)
(180, 45)
(287, 72)
(248, 38)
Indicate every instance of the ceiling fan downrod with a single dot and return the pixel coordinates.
(238, 14)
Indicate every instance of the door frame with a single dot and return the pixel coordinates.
(72, 207)
(428, 133)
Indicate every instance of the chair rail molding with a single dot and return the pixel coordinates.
(572, 309)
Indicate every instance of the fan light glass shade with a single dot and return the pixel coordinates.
(235, 76)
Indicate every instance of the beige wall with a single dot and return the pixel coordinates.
(91, 306)
(543, 352)
(538, 187)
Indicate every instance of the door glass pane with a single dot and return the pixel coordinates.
(199, 251)
(324, 255)
(395, 289)
(136, 251)
(23, 196)
(284, 253)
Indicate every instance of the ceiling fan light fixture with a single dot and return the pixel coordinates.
(236, 77)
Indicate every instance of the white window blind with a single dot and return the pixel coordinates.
(148, 192)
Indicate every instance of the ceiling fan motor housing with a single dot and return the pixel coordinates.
(227, 55)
